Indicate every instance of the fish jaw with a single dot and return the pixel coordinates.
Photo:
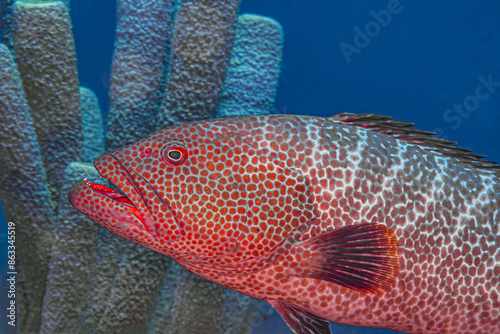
(123, 212)
(109, 208)
(111, 168)
(158, 218)
(134, 212)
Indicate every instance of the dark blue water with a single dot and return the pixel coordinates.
(436, 64)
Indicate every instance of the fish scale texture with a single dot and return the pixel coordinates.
(201, 47)
(93, 131)
(45, 53)
(23, 185)
(143, 36)
(70, 268)
(444, 214)
(252, 76)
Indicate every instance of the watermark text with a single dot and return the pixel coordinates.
(460, 111)
(11, 274)
(371, 29)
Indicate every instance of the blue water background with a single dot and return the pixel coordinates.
(414, 68)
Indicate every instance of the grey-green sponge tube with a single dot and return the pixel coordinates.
(198, 305)
(23, 191)
(73, 253)
(252, 77)
(161, 315)
(45, 53)
(104, 271)
(93, 131)
(128, 305)
(143, 36)
(204, 32)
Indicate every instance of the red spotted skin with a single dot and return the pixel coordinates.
(253, 187)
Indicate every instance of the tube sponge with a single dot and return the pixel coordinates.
(252, 76)
(46, 57)
(106, 264)
(198, 305)
(72, 258)
(24, 191)
(143, 38)
(93, 132)
(128, 305)
(240, 312)
(201, 47)
(163, 306)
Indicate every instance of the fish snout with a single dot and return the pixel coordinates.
(74, 192)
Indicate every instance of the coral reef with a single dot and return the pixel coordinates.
(174, 61)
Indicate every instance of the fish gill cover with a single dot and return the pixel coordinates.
(425, 63)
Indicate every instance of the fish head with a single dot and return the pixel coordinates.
(207, 193)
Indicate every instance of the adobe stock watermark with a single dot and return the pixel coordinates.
(460, 111)
(372, 29)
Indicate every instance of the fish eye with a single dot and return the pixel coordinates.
(174, 154)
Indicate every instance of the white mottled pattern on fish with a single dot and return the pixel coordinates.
(254, 192)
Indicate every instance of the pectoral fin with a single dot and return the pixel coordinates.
(299, 320)
(362, 257)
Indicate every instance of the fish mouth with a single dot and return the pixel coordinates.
(117, 196)
(125, 205)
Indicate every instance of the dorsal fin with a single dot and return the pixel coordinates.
(405, 131)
